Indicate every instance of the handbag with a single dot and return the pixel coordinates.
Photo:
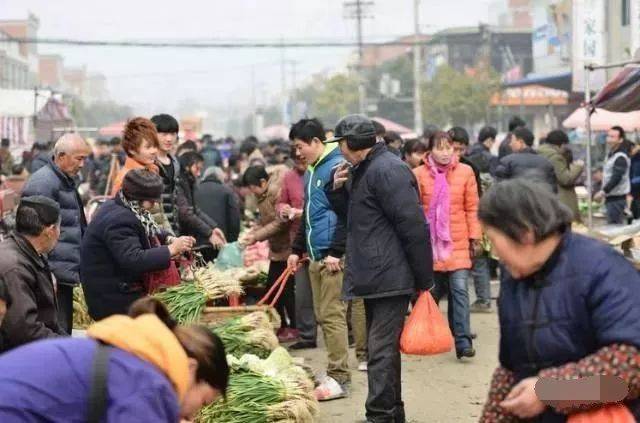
(426, 332)
(160, 278)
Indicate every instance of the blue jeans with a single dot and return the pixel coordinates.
(481, 274)
(454, 285)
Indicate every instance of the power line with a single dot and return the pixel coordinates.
(207, 45)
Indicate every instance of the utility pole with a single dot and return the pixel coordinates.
(254, 123)
(283, 82)
(358, 10)
(294, 84)
(35, 109)
(417, 80)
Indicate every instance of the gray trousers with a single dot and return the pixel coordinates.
(385, 320)
(305, 317)
(615, 210)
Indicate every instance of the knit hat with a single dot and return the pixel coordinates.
(141, 185)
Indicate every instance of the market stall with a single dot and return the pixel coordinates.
(620, 94)
(17, 110)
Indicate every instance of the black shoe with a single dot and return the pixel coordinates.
(467, 353)
(303, 345)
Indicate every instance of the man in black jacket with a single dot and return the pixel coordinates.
(388, 254)
(193, 221)
(525, 162)
(219, 202)
(25, 274)
(168, 127)
(56, 181)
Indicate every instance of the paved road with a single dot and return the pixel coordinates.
(436, 389)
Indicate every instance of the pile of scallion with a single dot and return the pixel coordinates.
(274, 390)
(185, 301)
(249, 334)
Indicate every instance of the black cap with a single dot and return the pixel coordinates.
(357, 127)
(47, 209)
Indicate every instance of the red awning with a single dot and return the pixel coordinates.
(392, 126)
(113, 130)
(622, 93)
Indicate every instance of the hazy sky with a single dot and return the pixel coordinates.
(162, 79)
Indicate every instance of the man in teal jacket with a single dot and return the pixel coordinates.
(322, 237)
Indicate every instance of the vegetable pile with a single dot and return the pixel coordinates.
(249, 334)
(219, 283)
(187, 300)
(274, 390)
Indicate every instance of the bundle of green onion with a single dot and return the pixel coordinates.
(185, 301)
(219, 283)
(81, 318)
(274, 390)
(250, 334)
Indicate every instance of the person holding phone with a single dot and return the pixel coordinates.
(388, 252)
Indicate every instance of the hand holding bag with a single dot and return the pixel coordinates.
(426, 332)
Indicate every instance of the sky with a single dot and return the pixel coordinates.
(153, 80)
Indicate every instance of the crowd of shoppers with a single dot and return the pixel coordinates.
(367, 220)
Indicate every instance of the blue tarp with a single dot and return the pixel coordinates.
(560, 81)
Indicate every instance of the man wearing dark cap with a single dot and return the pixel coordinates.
(388, 253)
(24, 272)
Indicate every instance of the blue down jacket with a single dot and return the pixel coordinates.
(323, 233)
(50, 182)
(587, 296)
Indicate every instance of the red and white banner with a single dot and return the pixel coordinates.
(15, 129)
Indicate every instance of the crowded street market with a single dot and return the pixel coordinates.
(439, 226)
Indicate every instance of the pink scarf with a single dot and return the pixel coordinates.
(438, 215)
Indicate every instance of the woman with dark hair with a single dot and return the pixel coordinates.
(413, 153)
(123, 248)
(449, 197)
(394, 142)
(569, 306)
(138, 368)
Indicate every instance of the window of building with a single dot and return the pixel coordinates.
(626, 12)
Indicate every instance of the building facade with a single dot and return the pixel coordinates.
(503, 49)
(18, 61)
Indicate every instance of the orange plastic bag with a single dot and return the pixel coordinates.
(614, 413)
(426, 332)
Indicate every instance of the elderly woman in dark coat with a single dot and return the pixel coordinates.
(118, 247)
(569, 306)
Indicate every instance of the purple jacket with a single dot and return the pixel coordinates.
(34, 389)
